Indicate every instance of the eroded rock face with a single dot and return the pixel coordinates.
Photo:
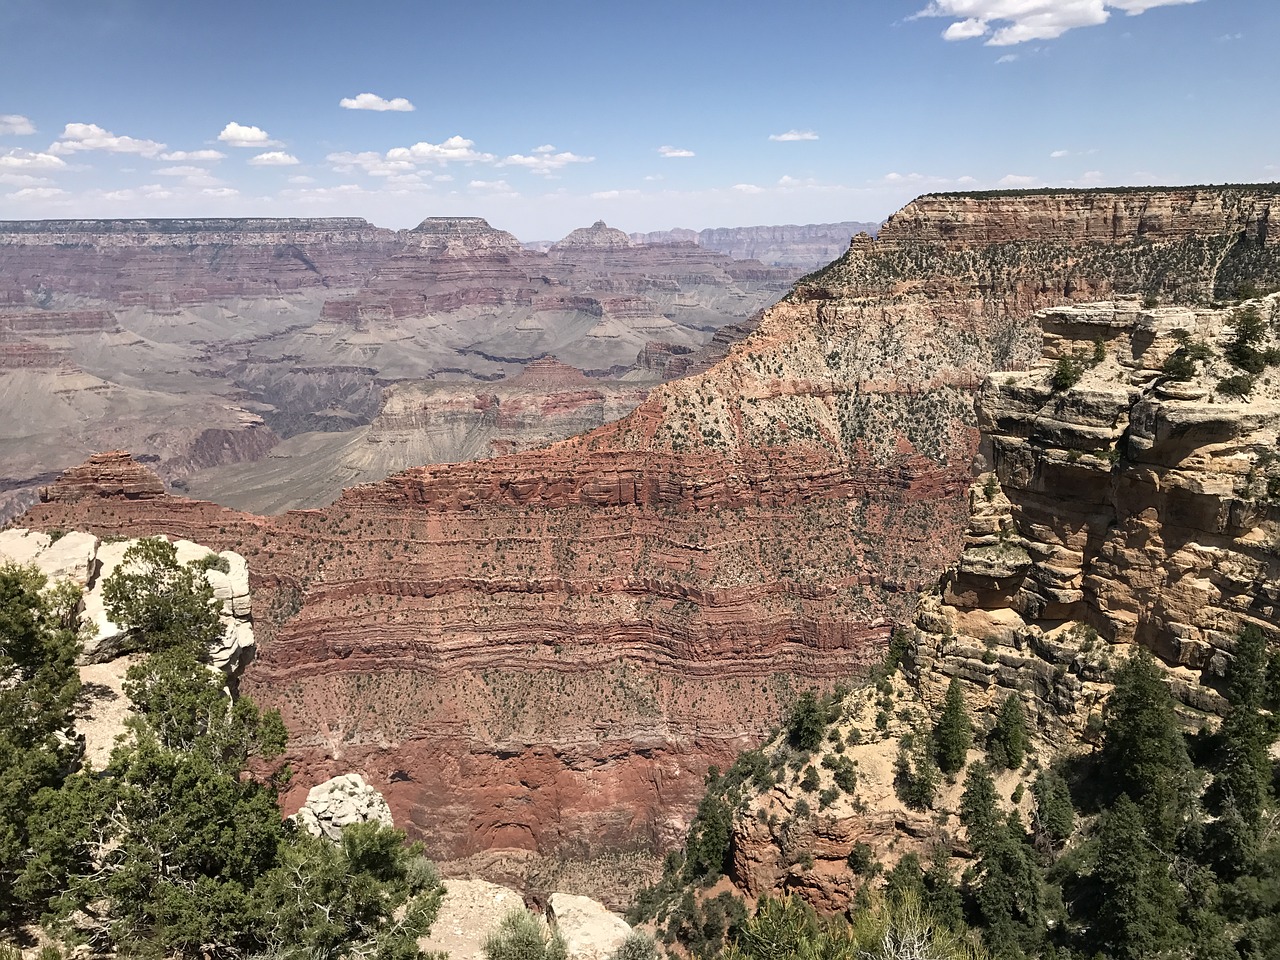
(808, 246)
(546, 650)
(88, 562)
(1127, 509)
(111, 474)
(200, 345)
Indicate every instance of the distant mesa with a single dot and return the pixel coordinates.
(598, 236)
(113, 473)
(469, 233)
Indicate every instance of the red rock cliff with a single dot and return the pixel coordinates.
(546, 650)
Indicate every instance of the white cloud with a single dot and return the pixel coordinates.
(372, 163)
(274, 158)
(544, 160)
(793, 135)
(965, 29)
(1057, 154)
(789, 182)
(89, 136)
(1007, 58)
(192, 155)
(493, 186)
(921, 181)
(614, 194)
(371, 101)
(220, 192)
(655, 176)
(181, 171)
(21, 179)
(37, 193)
(30, 160)
(748, 188)
(302, 178)
(237, 135)
(1017, 181)
(670, 152)
(454, 150)
(1008, 22)
(15, 124)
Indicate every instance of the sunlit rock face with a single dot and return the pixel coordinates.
(546, 650)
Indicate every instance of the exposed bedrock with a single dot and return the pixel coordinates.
(546, 650)
(1128, 509)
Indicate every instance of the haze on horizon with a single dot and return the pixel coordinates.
(542, 118)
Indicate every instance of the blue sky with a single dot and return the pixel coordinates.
(650, 114)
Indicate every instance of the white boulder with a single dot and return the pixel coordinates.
(590, 931)
(337, 803)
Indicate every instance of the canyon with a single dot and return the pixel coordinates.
(204, 345)
(807, 246)
(546, 650)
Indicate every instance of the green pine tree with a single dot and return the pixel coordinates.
(1007, 743)
(1144, 753)
(1137, 914)
(953, 733)
(39, 684)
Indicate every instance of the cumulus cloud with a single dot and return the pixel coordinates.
(220, 192)
(454, 150)
(15, 124)
(614, 194)
(1017, 181)
(192, 155)
(925, 180)
(238, 135)
(748, 188)
(302, 178)
(670, 152)
(1008, 22)
(1057, 154)
(30, 160)
(792, 135)
(544, 160)
(37, 193)
(371, 101)
(89, 136)
(370, 162)
(274, 158)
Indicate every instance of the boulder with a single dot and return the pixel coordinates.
(590, 931)
(339, 802)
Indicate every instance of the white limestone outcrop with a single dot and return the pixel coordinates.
(87, 561)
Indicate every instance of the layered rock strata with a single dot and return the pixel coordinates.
(546, 650)
(1131, 508)
(204, 343)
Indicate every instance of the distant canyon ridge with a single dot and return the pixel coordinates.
(268, 364)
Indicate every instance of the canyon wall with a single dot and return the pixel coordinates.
(202, 344)
(546, 650)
